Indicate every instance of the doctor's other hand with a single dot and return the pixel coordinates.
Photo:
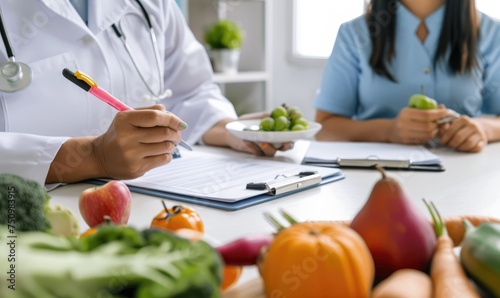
(415, 126)
(260, 149)
(464, 134)
(137, 141)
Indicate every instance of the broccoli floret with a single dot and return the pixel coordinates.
(23, 204)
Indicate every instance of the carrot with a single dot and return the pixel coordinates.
(404, 283)
(456, 229)
(448, 276)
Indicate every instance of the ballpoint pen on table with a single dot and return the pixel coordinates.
(446, 119)
(453, 115)
(88, 84)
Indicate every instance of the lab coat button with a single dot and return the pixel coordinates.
(426, 70)
(87, 39)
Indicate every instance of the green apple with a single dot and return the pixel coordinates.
(422, 102)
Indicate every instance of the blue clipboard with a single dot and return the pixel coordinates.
(245, 203)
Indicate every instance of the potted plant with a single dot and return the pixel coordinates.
(224, 39)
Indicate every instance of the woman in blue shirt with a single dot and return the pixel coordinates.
(382, 58)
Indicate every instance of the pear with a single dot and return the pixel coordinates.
(396, 232)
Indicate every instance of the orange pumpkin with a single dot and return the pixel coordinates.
(318, 259)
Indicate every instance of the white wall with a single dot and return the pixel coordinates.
(294, 82)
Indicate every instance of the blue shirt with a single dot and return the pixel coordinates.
(351, 88)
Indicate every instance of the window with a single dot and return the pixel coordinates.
(489, 7)
(316, 22)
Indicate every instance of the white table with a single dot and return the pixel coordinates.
(470, 185)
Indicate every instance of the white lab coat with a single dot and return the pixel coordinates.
(49, 35)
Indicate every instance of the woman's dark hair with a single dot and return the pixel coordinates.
(459, 35)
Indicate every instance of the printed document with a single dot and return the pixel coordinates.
(220, 177)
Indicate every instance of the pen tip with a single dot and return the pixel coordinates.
(185, 145)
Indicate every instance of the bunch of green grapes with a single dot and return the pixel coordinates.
(284, 118)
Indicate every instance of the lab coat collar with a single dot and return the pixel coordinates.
(59, 7)
(102, 13)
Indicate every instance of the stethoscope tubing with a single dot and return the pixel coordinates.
(5, 39)
(119, 32)
(145, 13)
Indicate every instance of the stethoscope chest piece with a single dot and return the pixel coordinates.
(15, 76)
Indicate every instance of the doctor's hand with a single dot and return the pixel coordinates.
(220, 136)
(463, 134)
(415, 126)
(137, 141)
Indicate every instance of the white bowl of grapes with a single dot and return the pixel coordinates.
(284, 124)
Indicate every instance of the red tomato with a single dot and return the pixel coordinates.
(178, 217)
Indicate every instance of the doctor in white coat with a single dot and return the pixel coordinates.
(53, 131)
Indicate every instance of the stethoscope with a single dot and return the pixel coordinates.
(14, 76)
(156, 95)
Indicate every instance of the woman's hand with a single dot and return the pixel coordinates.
(463, 134)
(414, 126)
(137, 141)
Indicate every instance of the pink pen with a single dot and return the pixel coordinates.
(88, 84)
(108, 98)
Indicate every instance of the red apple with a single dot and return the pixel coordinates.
(112, 199)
